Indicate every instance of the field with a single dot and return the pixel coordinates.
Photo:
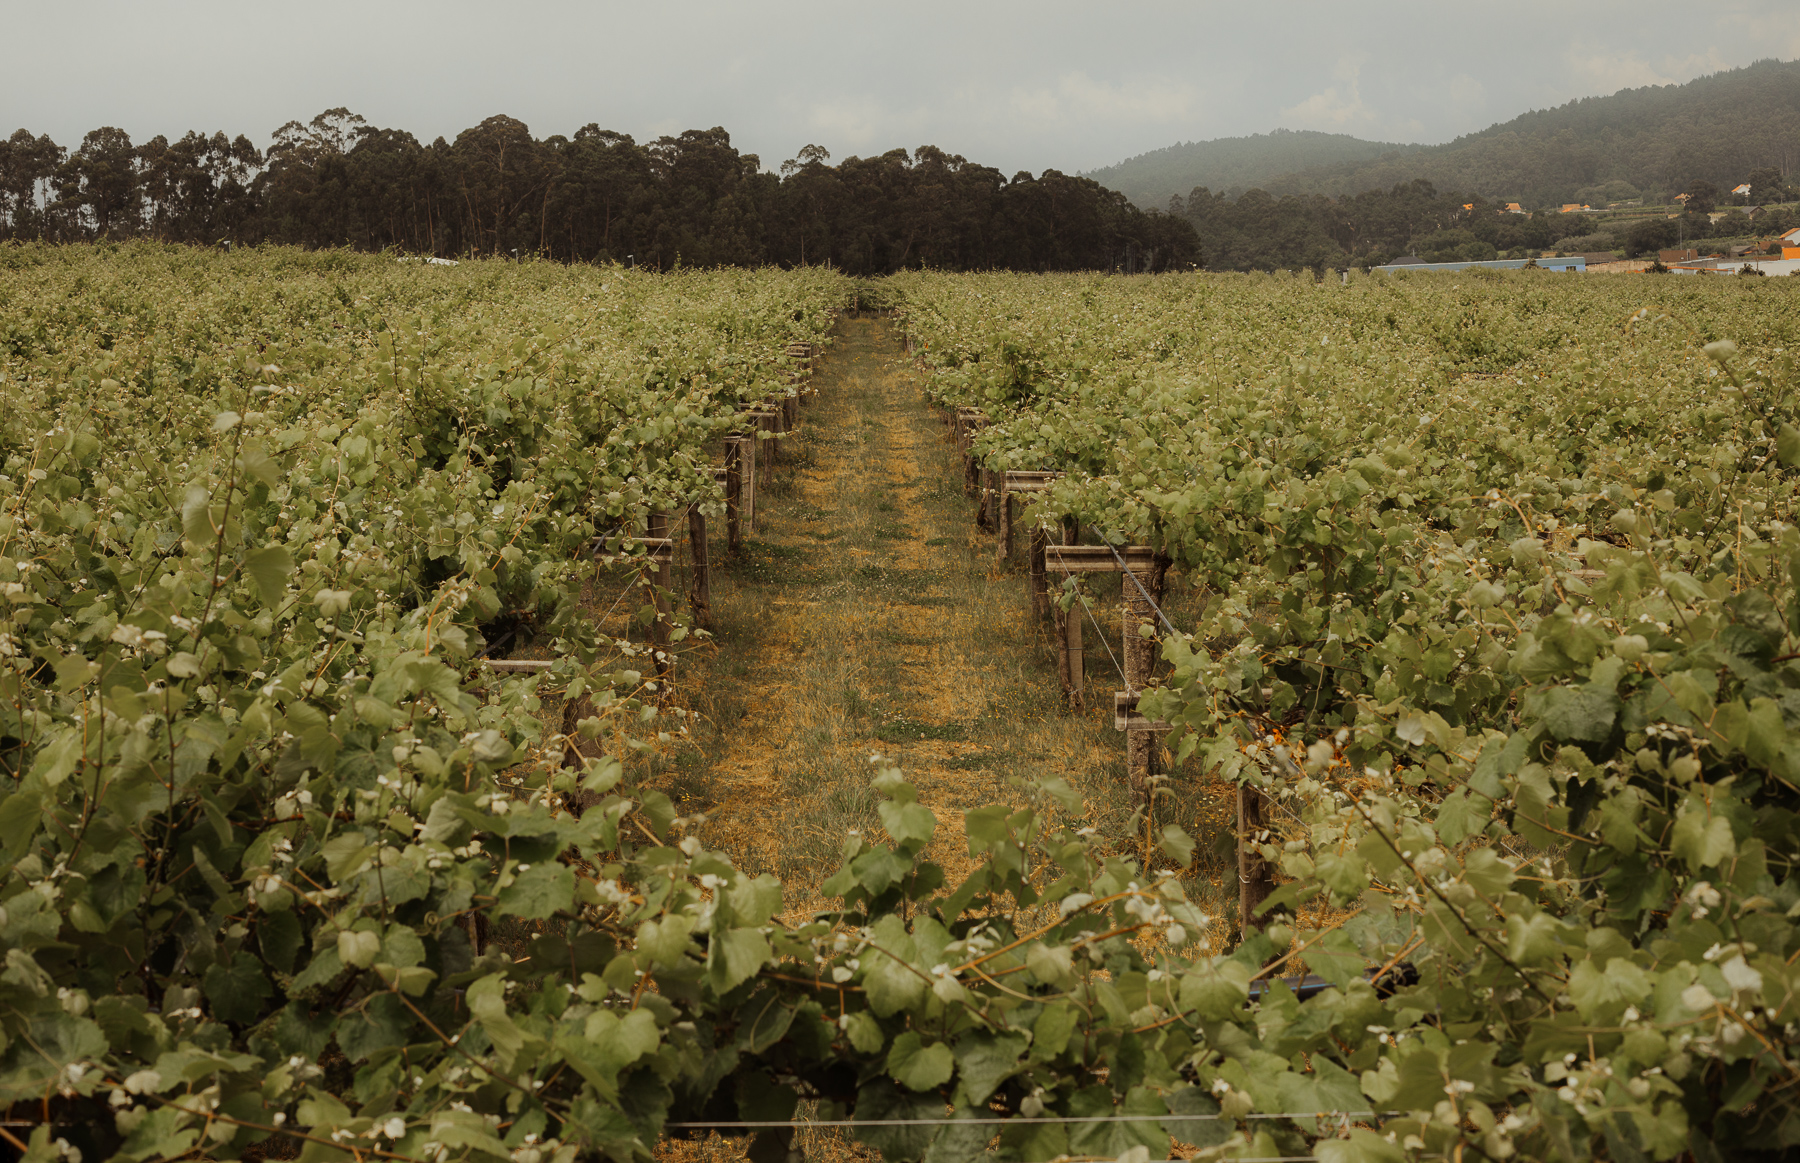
(1481, 586)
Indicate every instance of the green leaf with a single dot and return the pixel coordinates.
(1601, 995)
(879, 1101)
(879, 868)
(910, 825)
(1787, 445)
(1700, 838)
(1362, 1146)
(1576, 713)
(917, 1066)
(1111, 1140)
(660, 811)
(1461, 815)
(985, 827)
(382, 1022)
(864, 1032)
(486, 999)
(984, 1061)
(891, 985)
(1216, 990)
(1531, 940)
(1177, 845)
(269, 567)
(539, 892)
(1487, 872)
(20, 814)
(237, 988)
(664, 941)
(734, 956)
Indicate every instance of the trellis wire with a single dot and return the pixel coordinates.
(998, 1120)
(1161, 617)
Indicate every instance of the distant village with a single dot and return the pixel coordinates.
(1735, 246)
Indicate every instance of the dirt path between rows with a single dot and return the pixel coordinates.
(866, 615)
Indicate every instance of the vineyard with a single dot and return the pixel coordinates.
(345, 657)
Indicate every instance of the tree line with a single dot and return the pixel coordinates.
(595, 196)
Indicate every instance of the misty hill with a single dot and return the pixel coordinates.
(1234, 164)
(1655, 139)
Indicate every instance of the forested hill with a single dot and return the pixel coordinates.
(1656, 140)
(1235, 164)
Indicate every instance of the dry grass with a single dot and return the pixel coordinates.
(866, 615)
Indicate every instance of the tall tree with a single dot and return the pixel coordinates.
(97, 187)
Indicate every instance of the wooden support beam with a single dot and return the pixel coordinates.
(1126, 717)
(1140, 559)
(1029, 482)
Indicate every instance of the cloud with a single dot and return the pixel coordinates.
(1604, 72)
(1078, 97)
(1338, 109)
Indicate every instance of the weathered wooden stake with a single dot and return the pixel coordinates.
(658, 526)
(1140, 662)
(700, 593)
(1255, 879)
(734, 493)
(747, 466)
(1040, 589)
(1004, 502)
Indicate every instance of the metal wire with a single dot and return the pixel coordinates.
(1102, 633)
(1163, 618)
(997, 1120)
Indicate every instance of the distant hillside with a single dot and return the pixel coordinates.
(1234, 164)
(1655, 140)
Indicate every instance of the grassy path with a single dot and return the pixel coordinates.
(866, 614)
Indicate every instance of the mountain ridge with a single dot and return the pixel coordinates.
(1655, 138)
(1234, 163)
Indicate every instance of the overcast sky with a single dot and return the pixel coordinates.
(1049, 83)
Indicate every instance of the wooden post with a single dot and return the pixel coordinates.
(700, 592)
(1040, 589)
(748, 468)
(658, 526)
(1072, 647)
(1255, 880)
(1004, 506)
(734, 492)
(769, 452)
(1140, 663)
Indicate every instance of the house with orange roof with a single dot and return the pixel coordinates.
(1574, 207)
(1514, 208)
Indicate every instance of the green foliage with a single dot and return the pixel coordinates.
(263, 822)
(1515, 653)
